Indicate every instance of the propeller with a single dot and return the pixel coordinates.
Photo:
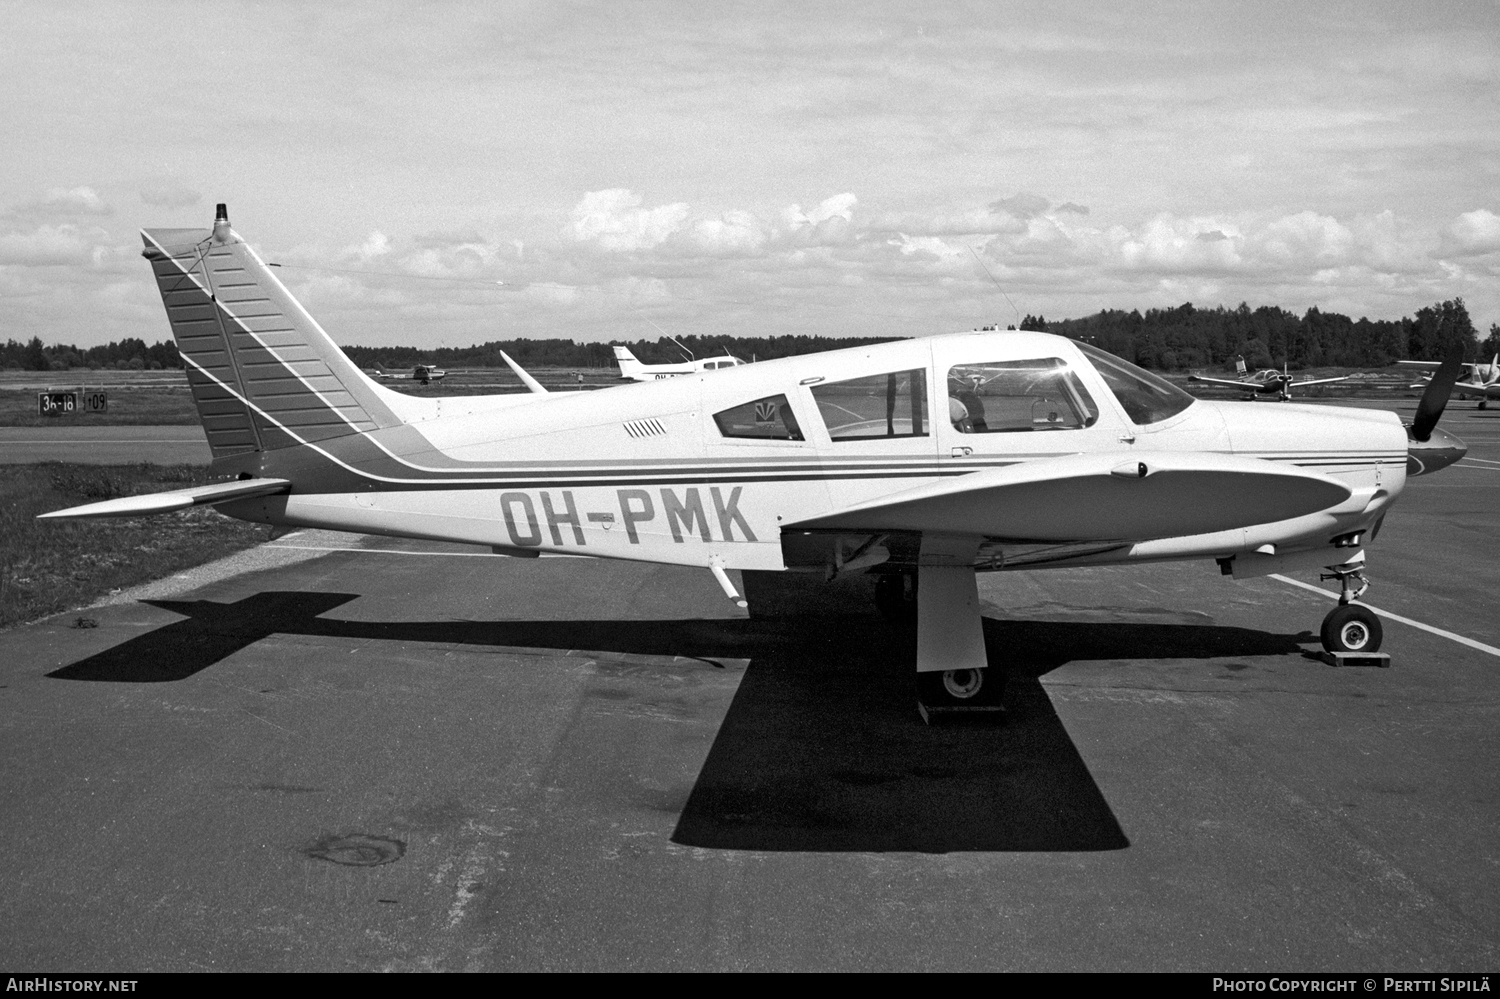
(1436, 396)
(1428, 448)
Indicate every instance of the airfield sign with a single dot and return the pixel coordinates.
(66, 403)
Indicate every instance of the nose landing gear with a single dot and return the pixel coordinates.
(1351, 627)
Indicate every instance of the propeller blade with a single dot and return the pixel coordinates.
(1436, 397)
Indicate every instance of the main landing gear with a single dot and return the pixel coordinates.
(954, 677)
(1351, 627)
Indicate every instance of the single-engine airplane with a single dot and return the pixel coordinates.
(1267, 381)
(1479, 380)
(635, 371)
(924, 461)
(423, 374)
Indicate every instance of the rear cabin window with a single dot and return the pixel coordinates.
(893, 404)
(993, 397)
(768, 419)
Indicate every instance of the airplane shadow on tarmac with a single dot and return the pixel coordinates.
(821, 748)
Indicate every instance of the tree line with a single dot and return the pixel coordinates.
(1187, 337)
(1173, 339)
(130, 354)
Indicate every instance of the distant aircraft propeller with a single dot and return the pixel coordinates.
(1428, 448)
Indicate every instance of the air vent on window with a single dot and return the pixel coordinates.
(644, 428)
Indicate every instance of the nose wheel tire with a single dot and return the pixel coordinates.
(1351, 628)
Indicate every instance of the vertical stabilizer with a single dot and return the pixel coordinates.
(629, 366)
(263, 373)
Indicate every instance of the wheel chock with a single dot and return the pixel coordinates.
(1379, 659)
(932, 714)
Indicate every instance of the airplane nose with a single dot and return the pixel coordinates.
(1438, 451)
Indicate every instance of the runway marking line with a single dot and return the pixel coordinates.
(1460, 639)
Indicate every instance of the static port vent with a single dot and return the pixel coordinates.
(644, 428)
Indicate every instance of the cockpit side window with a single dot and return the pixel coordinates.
(768, 419)
(1145, 397)
(991, 397)
(893, 404)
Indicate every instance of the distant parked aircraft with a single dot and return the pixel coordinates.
(1479, 380)
(1267, 381)
(633, 370)
(422, 373)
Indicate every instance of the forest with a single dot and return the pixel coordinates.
(1182, 338)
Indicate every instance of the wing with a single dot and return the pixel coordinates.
(1463, 369)
(178, 499)
(1098, 497)
(1299, 382)
(1243, 383)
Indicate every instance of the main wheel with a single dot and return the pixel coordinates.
(961, 688)
(1351, 628)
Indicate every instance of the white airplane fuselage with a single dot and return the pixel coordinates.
(645, 472)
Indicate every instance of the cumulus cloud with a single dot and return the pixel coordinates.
(733, 233)
(76, 201)
(1022, 206)
(375, 245)
(170, 195)
(1305, 238)
(840, 206)
(616, 221)
(1177, 246)
(48, 246)
(1475, 232)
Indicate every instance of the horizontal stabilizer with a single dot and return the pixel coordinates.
(1099, 497)
(177, 499)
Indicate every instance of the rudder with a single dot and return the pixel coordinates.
(263, 373)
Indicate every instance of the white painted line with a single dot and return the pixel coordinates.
(397, 551)
(1487, 461)
(1460, 639)
(1487, 468)
(385, 551)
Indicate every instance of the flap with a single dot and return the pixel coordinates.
(1099, 497)
(178, 499)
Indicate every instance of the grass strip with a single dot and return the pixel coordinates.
(51, 566)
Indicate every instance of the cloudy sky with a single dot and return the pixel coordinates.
(450, 173)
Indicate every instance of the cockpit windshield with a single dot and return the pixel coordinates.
(1145, 397)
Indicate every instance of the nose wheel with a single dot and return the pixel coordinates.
(1351, 627)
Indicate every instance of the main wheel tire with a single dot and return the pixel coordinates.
(961, 688)
(1352, 628)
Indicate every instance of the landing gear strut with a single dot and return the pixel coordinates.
(954, 676)
(1350, 627)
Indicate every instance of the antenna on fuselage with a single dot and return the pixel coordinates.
(998, 287)
(669, 336)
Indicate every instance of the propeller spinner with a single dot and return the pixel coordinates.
(1428, 448)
